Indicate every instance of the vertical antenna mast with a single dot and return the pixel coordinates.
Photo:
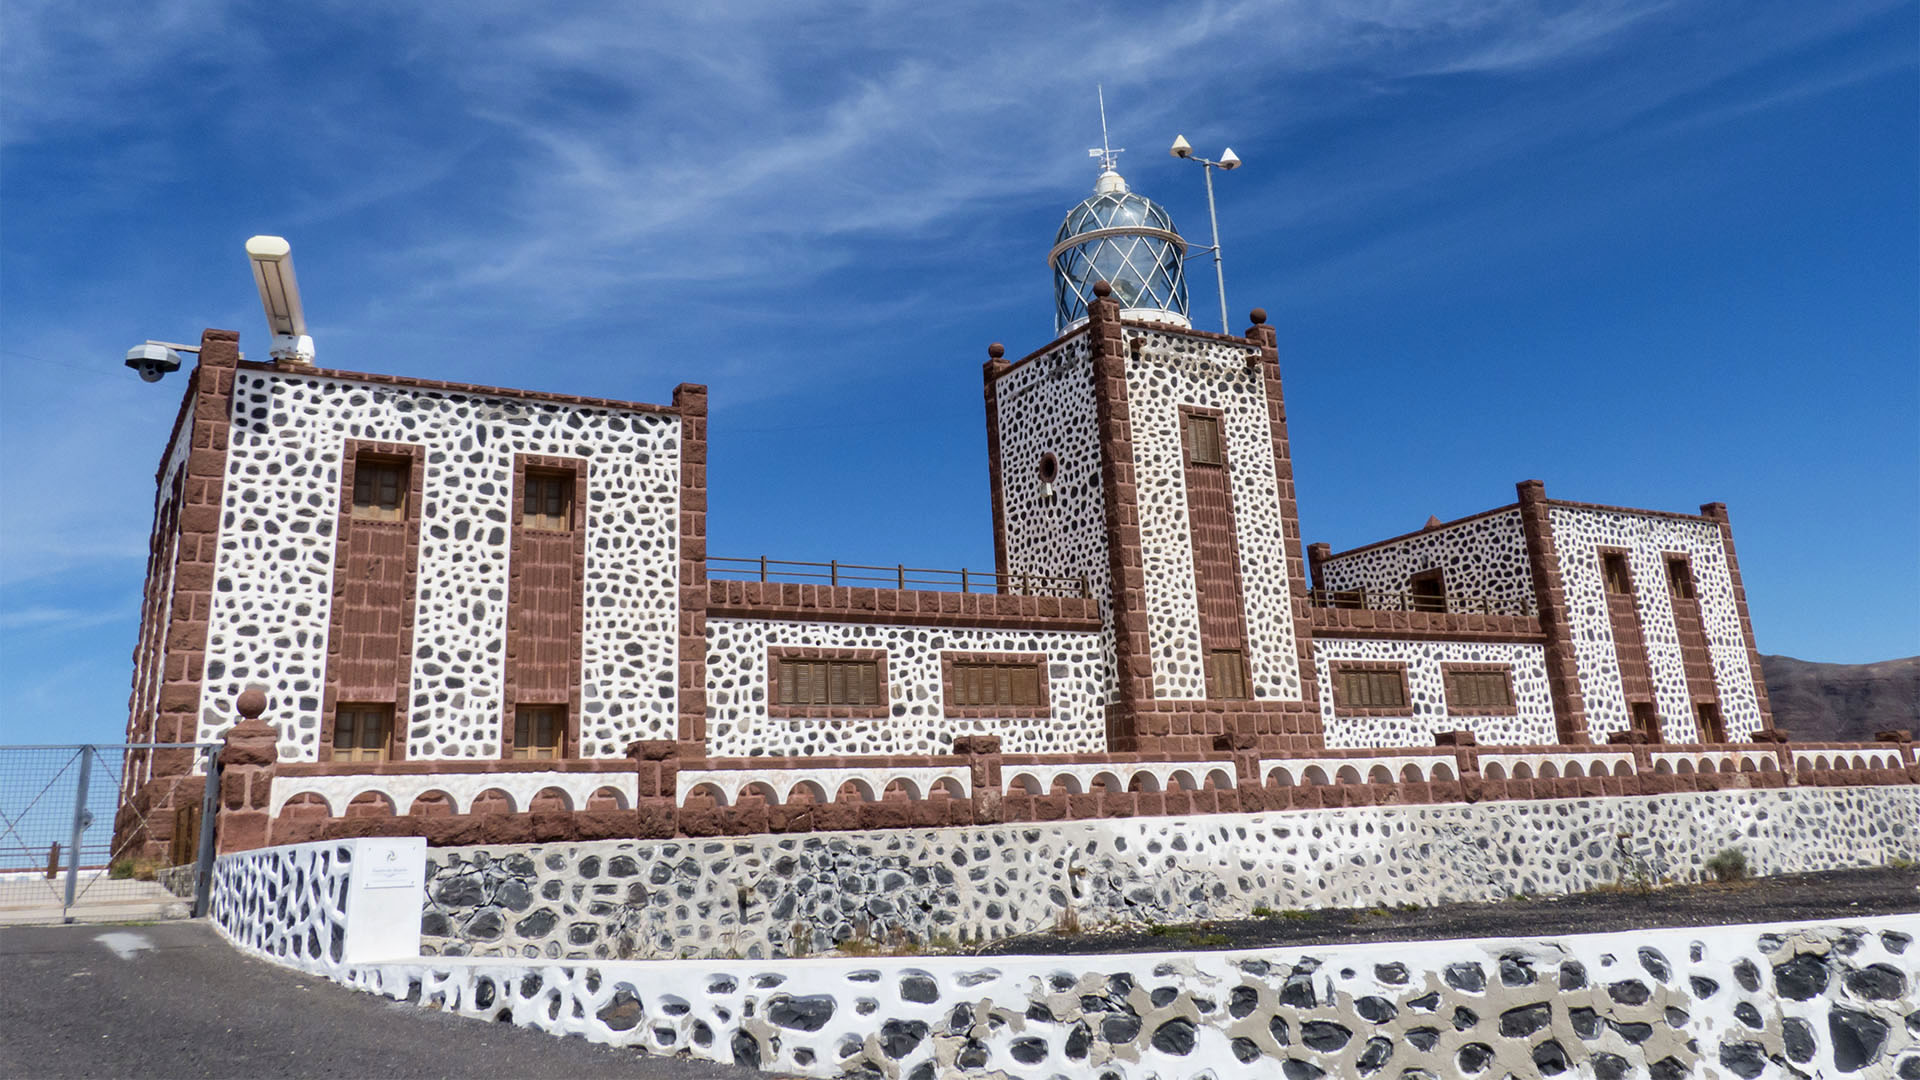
(1109, 157)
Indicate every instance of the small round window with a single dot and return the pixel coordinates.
(1049, 468)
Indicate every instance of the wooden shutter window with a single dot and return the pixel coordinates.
(828, 682)
(1712, 729)
(1468, 691)
(539, 732)
(380, 488)
(988, 685)
(360, 732)
(1227, 675)
(1679, 577)
(1364, 689)
(1619, 578)
(1203, 440)
(546, 500)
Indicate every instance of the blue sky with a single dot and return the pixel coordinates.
(1653, 253)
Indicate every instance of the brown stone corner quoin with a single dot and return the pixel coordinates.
(990, 374)
(1717, 511)
(690, 400)
(1268, 339)
(1133, 659)
(190, 606)
(1543, 560)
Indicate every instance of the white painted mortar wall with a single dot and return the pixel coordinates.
(740, 724)
(1427, 713)
(1772, 1000)
(1485, 558)
(1578, 534)
(273, 591)
(1164, 372)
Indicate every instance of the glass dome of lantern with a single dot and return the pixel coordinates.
(1127, 240)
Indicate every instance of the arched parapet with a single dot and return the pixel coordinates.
(1373, 770)
(1119, 777)
(776, 786)
(460, 788)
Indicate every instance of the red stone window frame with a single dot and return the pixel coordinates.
(513, 698)
(352, 453)
(1343, 707)
(877, 657)
(948, 683)
(1448, 671)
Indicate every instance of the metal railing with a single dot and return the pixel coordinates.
(900, 576)
(1381, 600)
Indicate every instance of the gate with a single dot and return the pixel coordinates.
(74, 841)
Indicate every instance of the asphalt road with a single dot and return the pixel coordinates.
(174, 1000)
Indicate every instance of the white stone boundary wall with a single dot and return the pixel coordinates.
(1767, 1000)
(322, 907)
(461, 788)
(1484, 558)
(273, 588)
(1531, 724)
(745, 896)
(1578, 534)
(740, 722)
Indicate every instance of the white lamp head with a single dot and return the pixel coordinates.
(1181, 147)
(1229, 160)
(272, 259)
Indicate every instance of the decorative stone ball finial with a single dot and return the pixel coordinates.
(1101, 289)
(253, 702)
(1258, 315)
(996, 350)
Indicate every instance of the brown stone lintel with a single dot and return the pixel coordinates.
(1426, 626)
(1428, 530)
(451, 387)
(905, 607)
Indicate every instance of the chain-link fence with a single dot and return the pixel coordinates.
(90, 832)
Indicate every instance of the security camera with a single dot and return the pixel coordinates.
(153, 360)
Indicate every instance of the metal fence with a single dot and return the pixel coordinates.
(68, 849)
(900, 576)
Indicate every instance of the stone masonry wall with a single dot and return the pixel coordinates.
(1579, 533)
(274, 579)
(1481, 558)
(1768, 1001)
(743, 897)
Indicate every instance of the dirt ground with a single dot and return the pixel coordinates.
(1788, 898)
